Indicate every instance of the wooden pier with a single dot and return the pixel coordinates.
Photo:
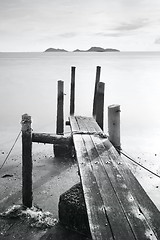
(117, 206)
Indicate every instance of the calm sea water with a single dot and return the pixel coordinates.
(28, 84)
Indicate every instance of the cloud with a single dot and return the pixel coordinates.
(157, 41)
(109, 34)
(123, 29)
(68, 34)
(134, 25)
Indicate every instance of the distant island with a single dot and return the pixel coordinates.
(92, 49)
(55, 50)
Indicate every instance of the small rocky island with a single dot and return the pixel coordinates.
(55, 50)
(92, 49)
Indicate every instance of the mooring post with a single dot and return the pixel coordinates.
(59, 149)
(114, 126)
(98, 72)
(72, 94)
(27, 195)
(60, 105)
(100, 104)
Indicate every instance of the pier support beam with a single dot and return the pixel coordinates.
(27, 195)
(52, 139)
(114, 126)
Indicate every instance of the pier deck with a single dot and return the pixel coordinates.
(117, 205)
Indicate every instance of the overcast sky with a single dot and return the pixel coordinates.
(35, 25)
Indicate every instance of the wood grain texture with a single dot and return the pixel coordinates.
(129, 212)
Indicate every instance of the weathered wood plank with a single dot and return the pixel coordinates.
(115, 214)
(99, 225)
(146, 206)
(128, 202)
(113, 176)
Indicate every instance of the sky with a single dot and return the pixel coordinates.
(35, 25)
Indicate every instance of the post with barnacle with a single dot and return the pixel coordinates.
(114, 125)
(27, 195)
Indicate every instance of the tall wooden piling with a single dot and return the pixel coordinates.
(27, 195)
(72, 93)
(100, 104)
(60, 108)
(114, 125)
(59, 149)
(98, 72)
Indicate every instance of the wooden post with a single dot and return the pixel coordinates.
(72, 96)
(59, 149)
(114, 125)
(100, 104)
(98, 72)
(26, 161)
(60, 103)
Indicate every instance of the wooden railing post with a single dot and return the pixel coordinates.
(100, 104)
(98, 72)
(72, 94)
(27, 195)
(114, 126)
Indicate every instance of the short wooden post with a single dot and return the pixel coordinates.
(60, 105)
(72, 94)
(114, 126)
(26, 161)
(98, 72)
(100, 104)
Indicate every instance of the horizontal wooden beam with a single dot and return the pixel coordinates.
(51, 138)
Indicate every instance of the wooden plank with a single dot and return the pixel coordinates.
(118, 220)
(99, 225)
(129, 204)
(141, 213)
(144, 210)
(146, 205)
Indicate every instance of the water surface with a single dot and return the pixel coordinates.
(28, 84)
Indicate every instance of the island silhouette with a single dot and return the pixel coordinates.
(92, 49)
